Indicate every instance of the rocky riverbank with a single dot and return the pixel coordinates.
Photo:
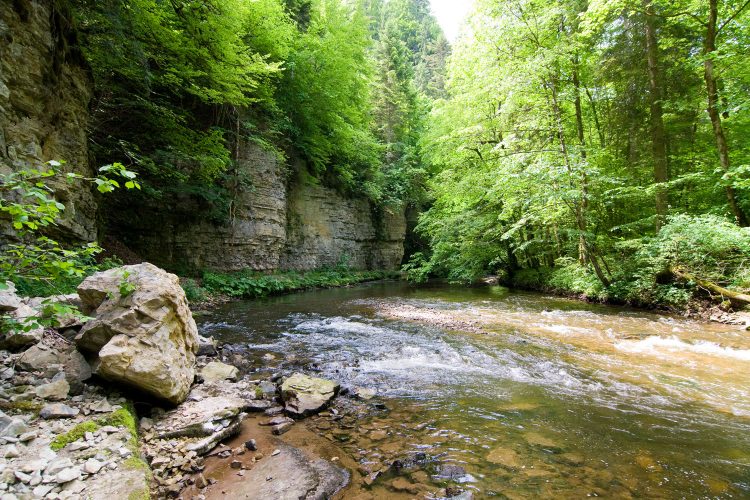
(128, 401)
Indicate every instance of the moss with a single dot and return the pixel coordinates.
(20, 407)
(143, 494)
(258, 393)
(136, 463)
(74, 434)
(124, 417)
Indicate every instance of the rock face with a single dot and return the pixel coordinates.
(326, 229)
(277, 224)
(146, 338)
(44, 96)
(305, 395)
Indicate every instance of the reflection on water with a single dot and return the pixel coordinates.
(532, 395)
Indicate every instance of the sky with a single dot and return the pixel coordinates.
(450, 14)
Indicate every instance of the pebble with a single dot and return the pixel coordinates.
(275, 452)
(236, 464)
(251, 445)
(11, 451)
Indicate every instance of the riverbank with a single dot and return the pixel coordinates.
(216, 287)
(683, 299)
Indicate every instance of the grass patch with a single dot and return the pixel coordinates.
(14, 407)
(74, 434)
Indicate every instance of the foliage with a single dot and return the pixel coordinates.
(247, 284)
(36, 262)
(546, 151)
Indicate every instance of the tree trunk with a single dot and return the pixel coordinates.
(580, 216)
(713, 287)
(658, 132)
(709, 46)
(582, 254)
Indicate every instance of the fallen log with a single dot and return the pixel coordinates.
(712, 287)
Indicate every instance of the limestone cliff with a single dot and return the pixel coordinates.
(277, 223)
(44, 99)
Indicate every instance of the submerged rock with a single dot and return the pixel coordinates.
(143, 331)
(304, 395)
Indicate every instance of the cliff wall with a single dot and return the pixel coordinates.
(44, 98)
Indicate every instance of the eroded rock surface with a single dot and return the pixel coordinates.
(304, 395)
(143, 331)
(291, 474)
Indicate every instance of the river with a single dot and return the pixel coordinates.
(514, 394)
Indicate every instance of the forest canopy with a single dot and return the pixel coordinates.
(342, 85)
(589, 146)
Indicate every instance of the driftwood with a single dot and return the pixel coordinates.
(712, 287)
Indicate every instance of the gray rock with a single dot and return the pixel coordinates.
(304, 395)
(281, 428)
(102, 406)
(16, 339)
(9, 301)
(58, 410)
(92, 466)
(267, 388)
(43, 490)
(57, 465)
(11, 451)
(146, 339)
(14, 428)
(77, 370)
(216, 371)
(68, 475)
(206, 346)
(57, 390)
(23, 477)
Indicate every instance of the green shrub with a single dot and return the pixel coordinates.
(248, 284)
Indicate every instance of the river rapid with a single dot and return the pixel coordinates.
(513, 394)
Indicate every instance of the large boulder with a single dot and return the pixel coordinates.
(142, 331)
(304, 395)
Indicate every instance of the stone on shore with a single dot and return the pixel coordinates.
(142, 331)
(216, 371)
(58, 410)
(304, 395)
(12, 305)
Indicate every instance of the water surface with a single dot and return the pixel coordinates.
(528, 395)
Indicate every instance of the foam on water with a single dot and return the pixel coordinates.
(673, 345)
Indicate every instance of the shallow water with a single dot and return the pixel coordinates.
(531, 395)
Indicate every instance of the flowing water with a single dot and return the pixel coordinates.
(526, 395)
